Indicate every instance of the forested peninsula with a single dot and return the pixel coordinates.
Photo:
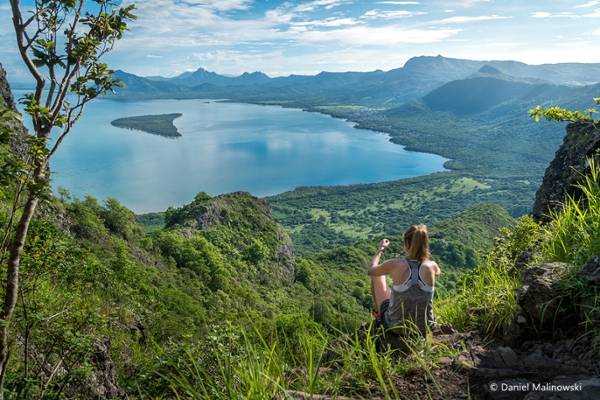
(160, 124)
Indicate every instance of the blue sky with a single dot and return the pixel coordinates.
(308, 36)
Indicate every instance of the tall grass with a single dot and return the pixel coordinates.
(272, 369)
(486, 299)
(573, 236)
(574, 231)
(255, 372)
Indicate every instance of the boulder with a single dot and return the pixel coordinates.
(523, 259)
(538, 298)
(591, 270)
(565, 171)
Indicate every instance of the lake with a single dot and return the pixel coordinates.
(225, 147)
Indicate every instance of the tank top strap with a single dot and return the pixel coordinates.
(414, 272)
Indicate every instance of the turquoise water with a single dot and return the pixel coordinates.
(225, 147)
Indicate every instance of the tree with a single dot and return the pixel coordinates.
(61, 43)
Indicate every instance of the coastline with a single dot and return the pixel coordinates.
(357, 122)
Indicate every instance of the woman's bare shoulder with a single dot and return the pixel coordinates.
(399, 261)
(430, 264)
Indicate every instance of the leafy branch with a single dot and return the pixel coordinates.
(563, 115)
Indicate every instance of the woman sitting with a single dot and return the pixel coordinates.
(410, 299)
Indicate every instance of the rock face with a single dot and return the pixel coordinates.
(591, 270)
(521, 372)
(538, 296)
(7, 99)
(245, 216)
(103, 384)
(5, 92)
(581, 142)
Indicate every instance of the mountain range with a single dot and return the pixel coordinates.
(386, 89)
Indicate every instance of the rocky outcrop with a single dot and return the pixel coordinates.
(591, 271)
(247, 218)
(535, 370)
(5, 93)
(565, 171)
(103, 383)
(539, 297)
(6, 98)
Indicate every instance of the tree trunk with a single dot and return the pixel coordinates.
(12, 282)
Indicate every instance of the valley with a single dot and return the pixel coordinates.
(495, 151)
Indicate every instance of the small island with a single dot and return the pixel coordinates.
(159, 124)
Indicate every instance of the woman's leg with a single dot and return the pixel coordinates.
(379, 291)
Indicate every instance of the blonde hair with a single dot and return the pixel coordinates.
(416, 240)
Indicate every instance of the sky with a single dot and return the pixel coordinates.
(308, 36)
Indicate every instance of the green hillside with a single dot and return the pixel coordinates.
(322, 217)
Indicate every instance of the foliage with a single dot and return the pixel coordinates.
(488, 293)
(574, 231)
(487, 298)
(573, 236)
(86, 36)
(324, 217)
(560, 114)
(267, 367)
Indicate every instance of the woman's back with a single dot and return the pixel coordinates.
(411, 300)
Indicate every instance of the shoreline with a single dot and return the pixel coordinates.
(356, 124)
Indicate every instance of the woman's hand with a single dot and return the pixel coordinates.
(383, 244)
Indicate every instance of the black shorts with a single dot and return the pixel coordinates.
(383, 310)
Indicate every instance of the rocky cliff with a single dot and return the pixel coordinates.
(581, 143)
(7, 99)
(5, 93)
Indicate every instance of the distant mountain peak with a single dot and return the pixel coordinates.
(489, 70)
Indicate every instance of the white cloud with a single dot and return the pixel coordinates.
(400, 3)
(592, 3)
(596, 32)
(545, 14)
(278, 62)
(395, 14)
(378, 36)
(328, 22)
(182, 25)
(221, 5)
(470, 3)
(595, 14)
(466, 19)
(316, 4)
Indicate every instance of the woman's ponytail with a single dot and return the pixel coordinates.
(416, 240)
